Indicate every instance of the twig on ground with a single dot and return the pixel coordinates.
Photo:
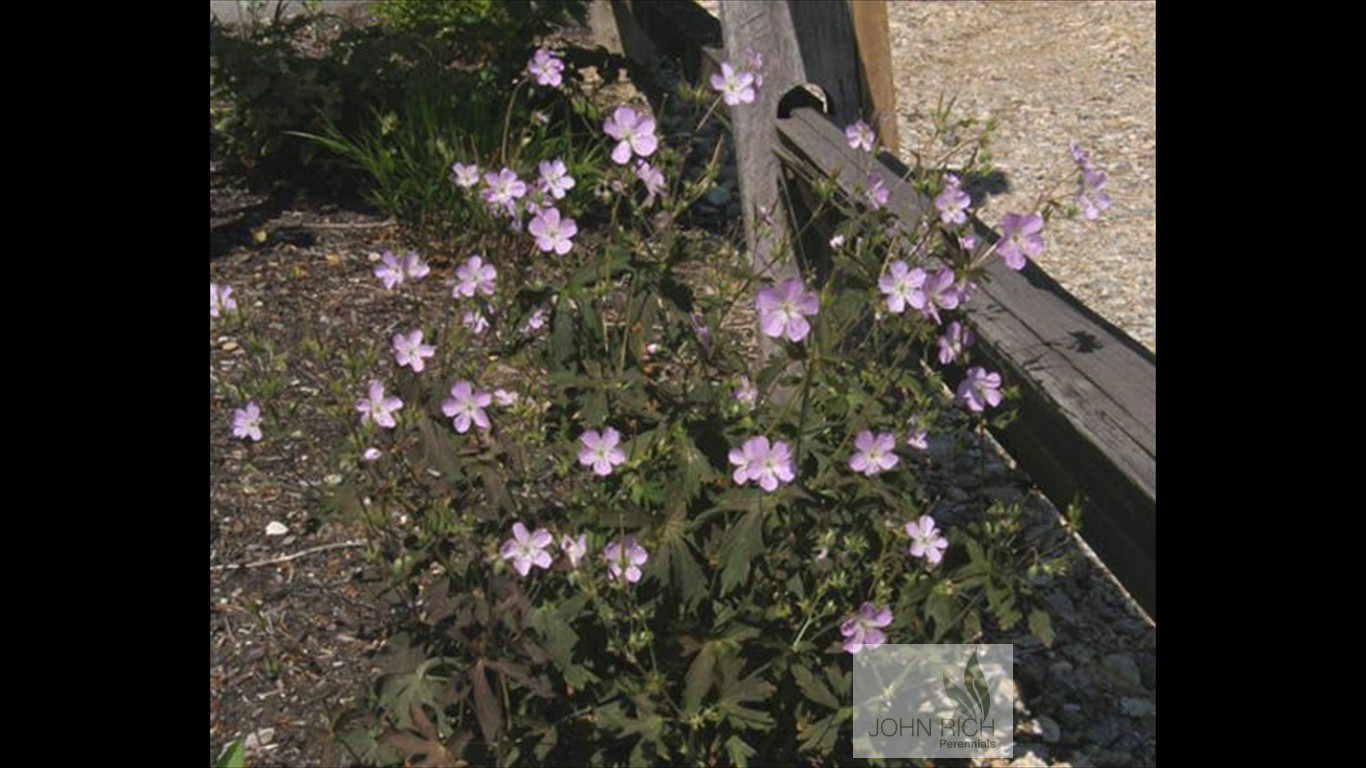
(287, 558)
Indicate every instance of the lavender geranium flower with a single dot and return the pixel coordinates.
(378, 408)
(735, 86)
(503, 188)
(546, 68)
(220, 299)
(745, 392)
(600, 450)
(371, 454)
(635, 134)
(953, 342)
(525, 549)
(466, 176)
(574, 549)
(504, 398)
(902, 285)
(624, 560)
(918, 438)
(1091, 196)
(860, 136)
(652, 178)
(755, 63)
(474, 276)
(979, 389)
(863, 629)
(837, 241)
(535, 322)
(1020, 238)
(781, 309)
(553, 233)
(410, 351)
(246, 422)
(952, 202)
(389, 271)
(926, 540)
(767, 465)
(938, 292)
(466, 406)
(474, 321)
(876, 454)
(414, 268)
(555, 178)
(876, 192)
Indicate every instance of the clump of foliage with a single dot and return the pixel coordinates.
(617, 536)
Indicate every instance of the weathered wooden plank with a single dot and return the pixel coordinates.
(1088, 421)
(875, 68)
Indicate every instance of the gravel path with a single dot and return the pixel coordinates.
(1052, 73)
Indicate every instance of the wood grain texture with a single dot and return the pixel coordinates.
(874, 44)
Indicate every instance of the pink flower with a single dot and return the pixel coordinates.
(555, 178)
(378, 408)
(875, 454)
(475, 321)
(863, 628)
(410, 351)
(466, 406)
(635, 134)
(979, 389)
(900, 285)
(860, 136)
(781, 309)
(220, 299)
(1020, 237)
(574, 549)
(389, 271)
(371, 454)
(625, 560)
(953, 342)
(546, 68)
(600, 451)
(767, 465)
(735, 86)
(503, 188)
(524, 549)
(651, 177)
(246, 422)
(414, 267)
(552, 233)
(937, 292)
(926, 540)
(745, 393)
(505, 398)
(474, 277)
(466, 176)
(876, 192)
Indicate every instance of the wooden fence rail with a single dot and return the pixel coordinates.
(1087, 425)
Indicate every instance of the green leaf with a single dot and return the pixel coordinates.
(699, 678)
(235, 757)
(813, 688)
(736, 691)
(676, 564)
(742, 542)
(486, 707)
(1042, 626)
(739, 751)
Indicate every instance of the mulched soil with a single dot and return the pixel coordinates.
(290, 642)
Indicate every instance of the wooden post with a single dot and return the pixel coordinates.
(875, 68)
(801, 43)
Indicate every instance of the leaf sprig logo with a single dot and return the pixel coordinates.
(972, 699)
